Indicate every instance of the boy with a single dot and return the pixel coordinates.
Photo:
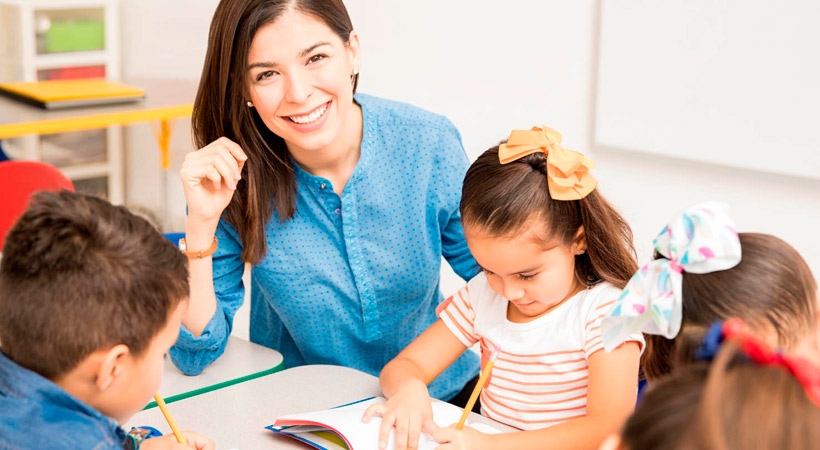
(91, 298)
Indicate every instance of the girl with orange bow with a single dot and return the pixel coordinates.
(555, 255)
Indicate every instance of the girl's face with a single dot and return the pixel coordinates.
(533, 277)
(299, 80)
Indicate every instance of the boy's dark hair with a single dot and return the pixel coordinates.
(503, 199)
(79, 275)
(771, 289)
(729, 404)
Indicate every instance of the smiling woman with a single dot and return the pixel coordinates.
(327, 193)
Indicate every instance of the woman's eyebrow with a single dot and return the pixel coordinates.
(272, 64)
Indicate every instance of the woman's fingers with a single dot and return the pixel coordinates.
(220, 162)
(234, 157)
(210, 176)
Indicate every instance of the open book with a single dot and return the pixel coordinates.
(342, 427)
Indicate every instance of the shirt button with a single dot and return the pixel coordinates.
(322, 186)
(338, 211)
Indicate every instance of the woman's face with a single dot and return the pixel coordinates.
(299, 80)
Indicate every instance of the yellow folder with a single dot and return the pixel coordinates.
(57, 94)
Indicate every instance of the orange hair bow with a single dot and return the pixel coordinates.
(568, 174)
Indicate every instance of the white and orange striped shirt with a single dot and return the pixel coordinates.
(540, 376)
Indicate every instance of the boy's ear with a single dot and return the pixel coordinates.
(111, 366)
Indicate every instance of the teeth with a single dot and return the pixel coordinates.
(310, 117)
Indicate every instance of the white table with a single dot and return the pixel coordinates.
(242, 361)
(235, 417)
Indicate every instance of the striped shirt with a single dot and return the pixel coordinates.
(540, 376)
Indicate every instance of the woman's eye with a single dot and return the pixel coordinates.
(526, 277)
(317, 58)
(265, 75)
(487, 272)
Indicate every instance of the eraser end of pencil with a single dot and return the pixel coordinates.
(494, 349)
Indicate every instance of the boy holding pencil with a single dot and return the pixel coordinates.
(91, 299)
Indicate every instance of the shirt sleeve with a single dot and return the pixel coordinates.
(599, 308)
(192, 354)
(452, 164)
(458, 315)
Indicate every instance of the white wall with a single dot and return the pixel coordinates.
(490, 69)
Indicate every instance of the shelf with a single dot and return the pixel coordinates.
(52, 4)
(64, 39)
(58, 60)
(91, 170)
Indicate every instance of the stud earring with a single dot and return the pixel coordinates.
(582, 252)
(250, 105)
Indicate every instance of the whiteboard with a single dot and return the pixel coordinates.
(732, 82)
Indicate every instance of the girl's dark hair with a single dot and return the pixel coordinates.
(772, 289)
(503, 199)
(729, 404)
(220, 109)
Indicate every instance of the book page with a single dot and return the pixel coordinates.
(346, 421)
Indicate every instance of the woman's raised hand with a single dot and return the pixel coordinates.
(209, 177)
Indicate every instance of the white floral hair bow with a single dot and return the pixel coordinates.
(701, 240)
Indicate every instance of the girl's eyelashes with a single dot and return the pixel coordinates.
(520, 276)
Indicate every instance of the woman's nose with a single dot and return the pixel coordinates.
(298, 88)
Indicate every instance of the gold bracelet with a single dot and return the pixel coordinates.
(183, 247)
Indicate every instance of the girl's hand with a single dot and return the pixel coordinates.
(195, 441)
(209, 177)
(410, 411)
(464, 439)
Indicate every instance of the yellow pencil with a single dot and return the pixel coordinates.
(164, 408)
(477, 390)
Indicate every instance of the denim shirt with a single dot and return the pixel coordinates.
(352, 279)
(37, 414)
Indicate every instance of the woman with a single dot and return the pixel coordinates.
(343, 205)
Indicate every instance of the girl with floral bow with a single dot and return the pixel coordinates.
(554, 255)
(699, 277)
(738, 393)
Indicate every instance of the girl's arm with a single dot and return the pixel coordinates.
(404, 382)
(611, 396)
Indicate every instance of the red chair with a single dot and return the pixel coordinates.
(18, 180)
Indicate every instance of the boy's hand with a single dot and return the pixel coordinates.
(169, 442)
(464, 439)
(410, 411)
